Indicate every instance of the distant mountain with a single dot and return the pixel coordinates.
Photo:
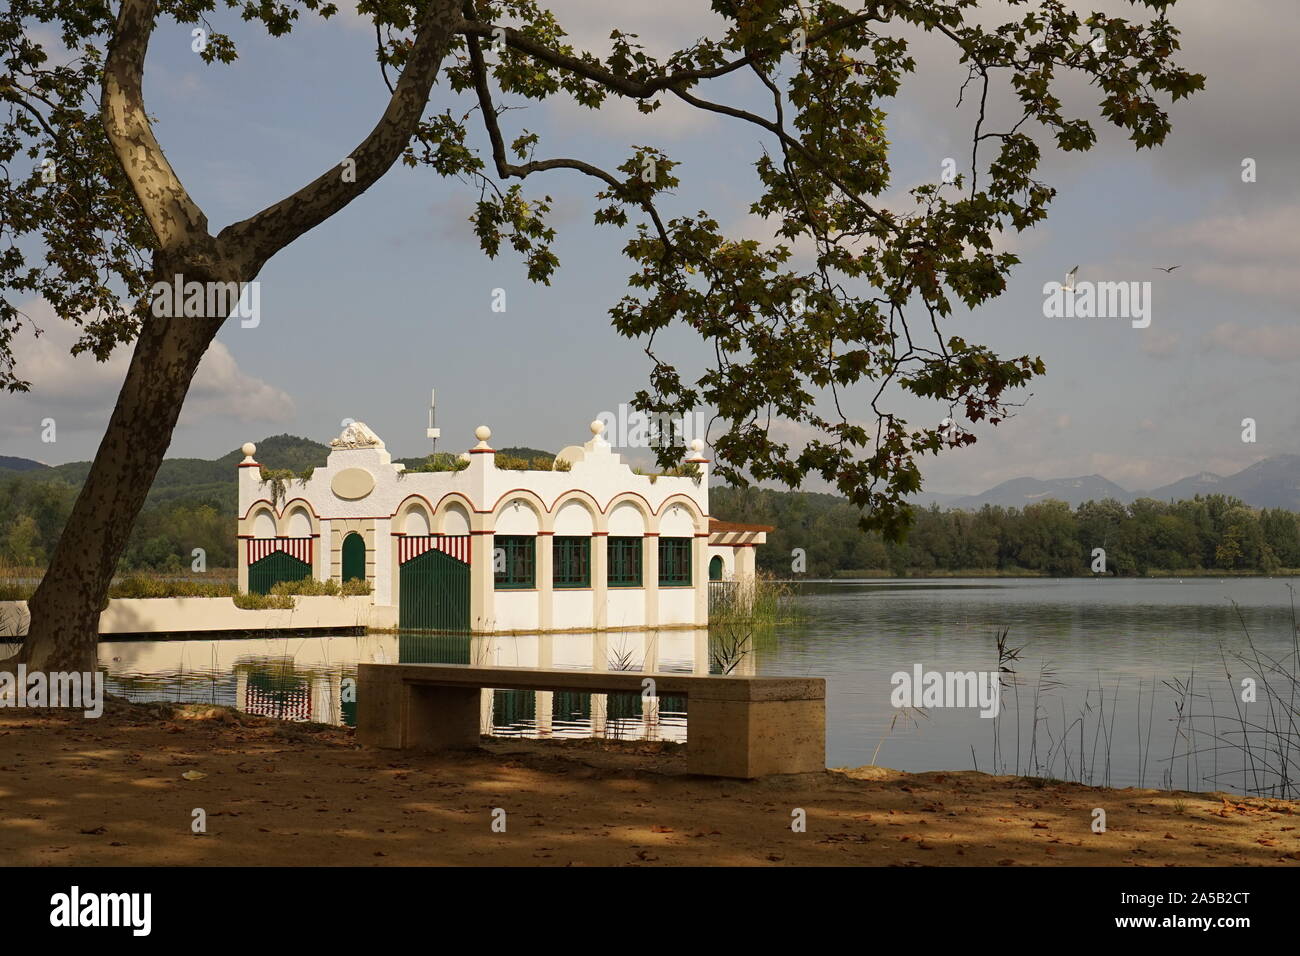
(524, 452)
(1202, 483)
(20, 464)
(277, 452)
(1019, 492)
(925, 499)
(198, 479)
(1271, 483)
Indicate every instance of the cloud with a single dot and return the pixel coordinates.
(662, 27)
(1160, 344)
(620, 117)
(221, 390)
(1252, 253)
(79, 392)
(1273, 343)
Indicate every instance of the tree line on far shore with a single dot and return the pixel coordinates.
(1215, 532)
(1212, 532)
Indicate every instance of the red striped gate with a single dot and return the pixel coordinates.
(259, 548)
(455, 545)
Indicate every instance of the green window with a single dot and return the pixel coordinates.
(675, 561)
(514, 561)
(572, 562)
(625, 562)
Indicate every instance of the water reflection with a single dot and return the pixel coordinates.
(313, 678)
(1120, 682)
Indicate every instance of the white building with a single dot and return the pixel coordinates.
(588, 546)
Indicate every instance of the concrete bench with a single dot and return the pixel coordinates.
(736, 726)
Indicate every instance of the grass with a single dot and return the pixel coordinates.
(1256, 723)
(281, 596)
(536, 463)
(19, 584)
(759, 600)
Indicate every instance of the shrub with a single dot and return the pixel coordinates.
(438, 461)
(263, 602)
(536, 463)
(15, 590)
(310, 587)
(142, 587)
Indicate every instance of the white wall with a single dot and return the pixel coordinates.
(517, 520)
(515, 610)
(571, 608)
(175, 615)
(625, 607)
(677, 605)
(455, 520)
(418, 522)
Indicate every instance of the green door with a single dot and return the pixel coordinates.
(274, 568)
(354, 557)
(434, 593)
(715, 568)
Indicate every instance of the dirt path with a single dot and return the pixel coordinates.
(114, 792)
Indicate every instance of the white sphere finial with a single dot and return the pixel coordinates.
(597, 427)
(697, 445)
(249, 449)
(482, 433)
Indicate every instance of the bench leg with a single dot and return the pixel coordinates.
(738, 738)
(416, 717)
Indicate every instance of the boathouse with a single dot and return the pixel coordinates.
(588, 545)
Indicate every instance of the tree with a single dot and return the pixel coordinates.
(118, 225)
(1049, 538)
(20, 543)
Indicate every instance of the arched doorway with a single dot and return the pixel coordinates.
(715, 568)
(354, 558)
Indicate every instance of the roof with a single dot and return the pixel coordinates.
(716, 526)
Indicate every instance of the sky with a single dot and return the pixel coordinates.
(361, 317)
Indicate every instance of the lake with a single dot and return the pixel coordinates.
(1117, 682)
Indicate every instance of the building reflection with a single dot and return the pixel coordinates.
(313, 678)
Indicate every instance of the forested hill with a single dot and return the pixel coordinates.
(192, 504)
(1049, 537)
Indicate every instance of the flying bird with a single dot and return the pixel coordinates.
(1165, 268)
(1069, 279)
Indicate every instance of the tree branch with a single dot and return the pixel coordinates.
(176, 220)
(256, 239)
(506, 169)
(637, 89)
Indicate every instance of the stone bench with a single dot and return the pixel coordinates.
(736, 726)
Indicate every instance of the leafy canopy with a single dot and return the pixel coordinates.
(793, 338)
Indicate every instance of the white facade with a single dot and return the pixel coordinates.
(494, 519)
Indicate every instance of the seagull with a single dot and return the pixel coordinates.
(1165, 268)
(1069, 279)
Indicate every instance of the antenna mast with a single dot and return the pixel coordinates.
(433, 433)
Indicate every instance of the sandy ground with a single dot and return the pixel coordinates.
(115, 791)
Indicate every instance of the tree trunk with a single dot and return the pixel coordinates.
(64, 630)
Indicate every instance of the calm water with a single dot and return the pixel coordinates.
(1156, 649)
(1129, 676)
